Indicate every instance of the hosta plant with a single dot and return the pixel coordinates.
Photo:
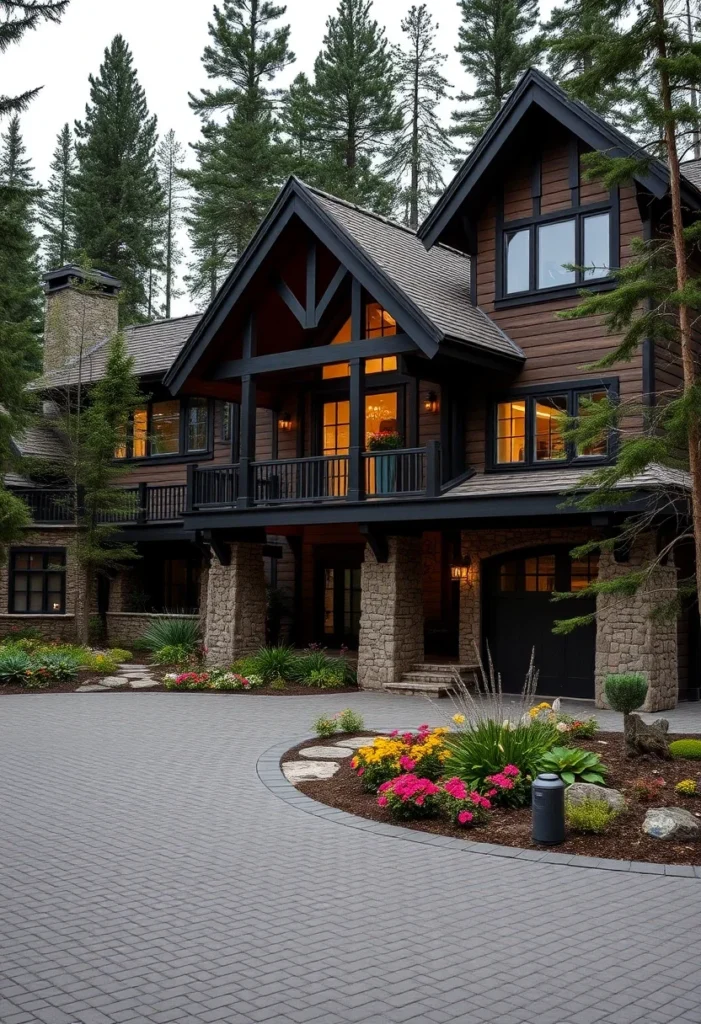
(60, 668)
(574, 765)
(482, 748)
(463, 806)
(409, 796)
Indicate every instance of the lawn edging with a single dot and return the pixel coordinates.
(269, 771)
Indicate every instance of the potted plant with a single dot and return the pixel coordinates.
(385, 465)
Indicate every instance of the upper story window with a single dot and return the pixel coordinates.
(378, 324)
(539, 256)
(528, 428)
(170, 427)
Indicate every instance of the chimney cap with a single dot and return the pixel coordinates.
(64, 277)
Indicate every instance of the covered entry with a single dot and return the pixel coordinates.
(519, 615)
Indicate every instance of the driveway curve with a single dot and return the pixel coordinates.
(148, 875)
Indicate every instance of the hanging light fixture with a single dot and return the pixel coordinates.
(431, 402)
(460, 568)
(284, 421)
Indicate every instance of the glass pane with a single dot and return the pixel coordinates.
(165, 427)
(597, 254)
(511, 432)
(21, 583)
(53, 582)
(227, 421)
(197, 425)
(328, 601)
(509, 576)
(339, 369)
(36, 584)
(518, 261)
(600, 446)
(21, 561)
(20, 602)
(584, 570)
(555, 248)
(378, 322)
(140, 433)
(549, 443)
(540, 573)
(36, 602)
(380, 414)
(36, 560)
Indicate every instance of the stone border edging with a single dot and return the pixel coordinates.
(271, 775)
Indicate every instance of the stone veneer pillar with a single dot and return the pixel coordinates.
(236, 605)
(391, 613)
(628, 639)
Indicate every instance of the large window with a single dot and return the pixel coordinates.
(528, 429)
(540, 256)
(168, 428)
(38, 582)
(378, 324)
(165, 428)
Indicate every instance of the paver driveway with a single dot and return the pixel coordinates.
(148, 875)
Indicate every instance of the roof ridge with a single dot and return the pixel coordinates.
(161, 322)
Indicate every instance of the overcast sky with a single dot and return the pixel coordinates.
(167, 38)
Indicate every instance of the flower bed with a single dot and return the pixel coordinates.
(31, 664)
(507, 820)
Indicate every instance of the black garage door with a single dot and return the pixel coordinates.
(519, 615)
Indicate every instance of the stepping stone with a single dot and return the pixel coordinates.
(308, 771)
(92, 689)
(113, 681)
(360, 741)
(137, 675)
(324, 752)
(142, 684)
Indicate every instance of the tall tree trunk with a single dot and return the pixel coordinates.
(414, 186)
(680, 255)
(169, 255)
(694, 94)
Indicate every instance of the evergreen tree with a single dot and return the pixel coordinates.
(15, 168)
(18, 17)
(658, 291)
(495, 48)
(423, 146)
(297, 121)
(171, 158)
(356, 115)
(116, 194)
(241, 163)
(56, 211)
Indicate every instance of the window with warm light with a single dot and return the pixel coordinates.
(378, 324)
(159, 429)
(38, 582)
(549, 442)
(511, 432)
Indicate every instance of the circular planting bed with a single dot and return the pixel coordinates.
(645, 783)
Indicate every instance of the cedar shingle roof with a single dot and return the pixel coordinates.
(559, 481)
(691, 169)
(437, 281)
(41, 442)
(153, 348)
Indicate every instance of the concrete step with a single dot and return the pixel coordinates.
(439, 678)
(443, 668)
(418, 688)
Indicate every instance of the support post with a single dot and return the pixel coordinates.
(433, 469)
(190, 490)
(142, 503)
(356, 476)
(247, 441)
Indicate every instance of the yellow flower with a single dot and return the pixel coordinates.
(458, 719)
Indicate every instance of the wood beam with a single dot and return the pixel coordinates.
(291, 301)
(331, 290)
(310, 312)
(318, 355)
(377, 542)
(247, 440)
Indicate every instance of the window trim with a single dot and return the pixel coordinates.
(183, 454)
(44, 571)
(578, 214)
(572, 390)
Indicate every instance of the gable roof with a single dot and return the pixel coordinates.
(152, 346)
(429, 293)
(535, 89)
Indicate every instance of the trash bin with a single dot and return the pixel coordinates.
(548, 807)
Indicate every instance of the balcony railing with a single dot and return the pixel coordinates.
(405, 473)
(144, 504)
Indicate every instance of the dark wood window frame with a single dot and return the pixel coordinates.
(183, 454)
(572, 390)
(578, 214)
(47, 554)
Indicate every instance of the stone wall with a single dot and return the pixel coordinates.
(391, 615)
(236, 605)
(628, 638)
(125, 629)
(73, 319)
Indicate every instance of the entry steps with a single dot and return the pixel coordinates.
(433, 680)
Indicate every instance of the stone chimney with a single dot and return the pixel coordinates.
(81, 309)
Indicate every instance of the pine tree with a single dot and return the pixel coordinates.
(356, 115)
(297, 122)
(56, 212)
(658, 291)
(423, 147)
(15, 169)
(495, 48)
(18, 17)
(241, 163)
(116, 194)
(171, 158)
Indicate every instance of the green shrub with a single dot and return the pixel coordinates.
(324, 679)
(312, 660)
(574, 765)
(625, 692)
(350, 721)
(687, 787)
(60, 668)
(589, 816)
(173, 654)
(278, 684)
(690, 749)
(483, 748)
(325, 726)
(120, 655)
(15, 665)
(172, 631)
(23, 633)
(273, 663)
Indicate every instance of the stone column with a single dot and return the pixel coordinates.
(391, 615)
(628, 638)
(236, 605)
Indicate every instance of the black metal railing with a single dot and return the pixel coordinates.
(215, 485)
(318, 478)
(142, 504)
(49, 506)
(165, 503)
(401, 472)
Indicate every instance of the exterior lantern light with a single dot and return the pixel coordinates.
(460, 569)
(431, 404)
(285, 421)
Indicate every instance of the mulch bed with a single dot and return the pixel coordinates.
(624, 840)
(85, 677)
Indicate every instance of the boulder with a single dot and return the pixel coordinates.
(578, 792)
(672, 823)
(646, 738)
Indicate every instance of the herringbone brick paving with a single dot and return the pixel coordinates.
(149, 876)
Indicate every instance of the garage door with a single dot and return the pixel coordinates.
(519, 616)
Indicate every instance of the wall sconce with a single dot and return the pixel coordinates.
(285, 421)
(431, 404)
(460, 570)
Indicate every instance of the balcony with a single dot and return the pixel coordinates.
(404, 473)
(145, 504)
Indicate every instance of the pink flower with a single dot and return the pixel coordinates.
(406, 763)
(491, 792)
(382, 801)
(511, 769)
(464, 817)
(407, 737)
(424, 728)
(419, 801)
(384, 787)
(395, 732)
(456, 788)
(360, 771)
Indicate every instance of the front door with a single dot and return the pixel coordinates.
(519, 616)
(338, 598)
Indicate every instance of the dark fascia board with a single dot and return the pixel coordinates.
(296, 199)
(536, 89)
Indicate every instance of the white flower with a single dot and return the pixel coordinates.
(170, 676)
(562, 727)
